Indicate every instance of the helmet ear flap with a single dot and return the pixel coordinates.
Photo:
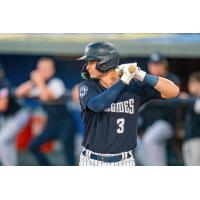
(106, 65)
(84, 73)
(101, 67)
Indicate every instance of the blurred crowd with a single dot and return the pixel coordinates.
(169, 130)
(41, 103)
(43, 118)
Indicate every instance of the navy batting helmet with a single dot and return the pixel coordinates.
(157, 57)
(104, 53)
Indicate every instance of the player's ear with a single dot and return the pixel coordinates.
(84, 73)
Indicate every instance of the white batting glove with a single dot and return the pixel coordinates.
(138, 74)
(126, 75)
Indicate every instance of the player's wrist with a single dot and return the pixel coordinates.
(151, 79)
(140, 74)
(125, 79)
(127, 76)
(146, 78)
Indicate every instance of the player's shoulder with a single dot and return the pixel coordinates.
(56, 83)
(55, 80)
(88, 83)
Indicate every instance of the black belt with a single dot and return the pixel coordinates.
(106, 158)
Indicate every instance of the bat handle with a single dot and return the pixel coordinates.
(132, 68)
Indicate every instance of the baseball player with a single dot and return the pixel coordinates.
(191, 145)
(110, 104)
(51, 92)
(191, 101)
(13, 118)
(158, 118)
(76, 112)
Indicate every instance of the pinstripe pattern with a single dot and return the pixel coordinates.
(87, 161)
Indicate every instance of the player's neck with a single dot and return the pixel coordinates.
(109, 79)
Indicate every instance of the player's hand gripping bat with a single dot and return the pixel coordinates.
(127, 72)
(132, 68)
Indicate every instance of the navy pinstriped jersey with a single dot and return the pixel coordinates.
(113, 130)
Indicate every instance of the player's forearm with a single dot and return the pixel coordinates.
(102, 101)
(24, 89)
(167, 88)
(45, 93)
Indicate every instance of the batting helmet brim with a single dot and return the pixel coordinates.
(82, 58)
(88, 58)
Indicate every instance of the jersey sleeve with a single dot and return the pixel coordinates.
(57, 87)
(34, 92)
(148, 93)
(86, 91)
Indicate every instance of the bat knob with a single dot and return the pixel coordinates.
(132, 68)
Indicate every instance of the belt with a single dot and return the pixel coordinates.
(106, 158)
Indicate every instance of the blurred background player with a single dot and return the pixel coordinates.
(13, 118)
(158, 119)
(51, 92)
(76, 112)
(191, 145)
(191, 104)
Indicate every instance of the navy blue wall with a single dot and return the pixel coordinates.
(18, 67)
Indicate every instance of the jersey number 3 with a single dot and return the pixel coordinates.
(120, 123)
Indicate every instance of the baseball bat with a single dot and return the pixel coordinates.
(132, 69)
